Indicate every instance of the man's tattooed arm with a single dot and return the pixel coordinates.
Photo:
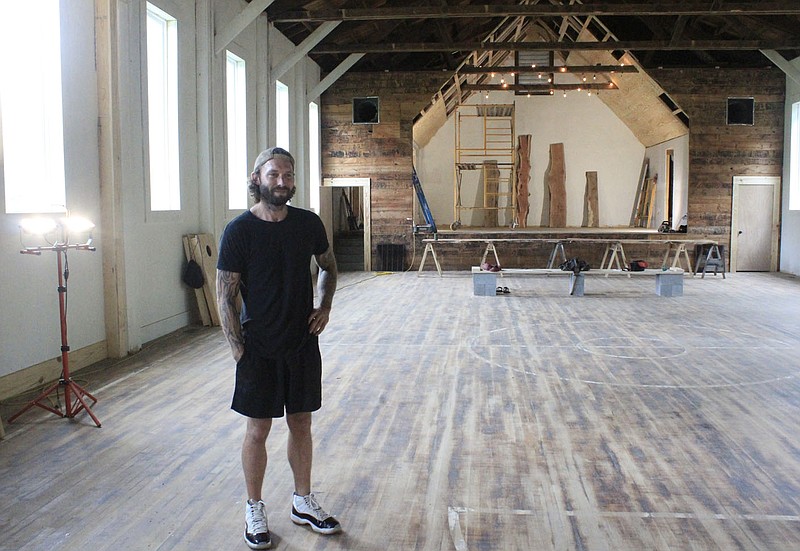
(227, 302)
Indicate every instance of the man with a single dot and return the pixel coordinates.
(265, 254)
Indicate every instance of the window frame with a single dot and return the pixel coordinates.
(52, 168)
(173, 93)
(282, 116)
(314, 155)
(794, 157)
(241, 127)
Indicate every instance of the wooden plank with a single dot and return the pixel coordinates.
(594, 272)
(523, 179)
(199, 294)
(208, 261)
(591, 209)
(640, 187)
(490, 182)
(555, 179)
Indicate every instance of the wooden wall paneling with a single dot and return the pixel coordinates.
(717, 151)
(382, 152)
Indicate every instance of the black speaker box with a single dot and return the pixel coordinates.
(741, 111)
(366, 110)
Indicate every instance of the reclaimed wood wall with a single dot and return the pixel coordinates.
(383, 151)
(718, 151)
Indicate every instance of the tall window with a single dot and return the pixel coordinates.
(314, 176)
(236, 110)
(30, 108)
(162, 109)
(794, 159)
(282, 115)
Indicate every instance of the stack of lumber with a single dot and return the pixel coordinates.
(202, 248)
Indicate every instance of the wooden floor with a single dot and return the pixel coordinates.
(530, 421)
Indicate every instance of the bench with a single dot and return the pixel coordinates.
(669, 282)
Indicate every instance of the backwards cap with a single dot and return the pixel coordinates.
(269, 154)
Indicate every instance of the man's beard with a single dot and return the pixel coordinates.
(268, 195)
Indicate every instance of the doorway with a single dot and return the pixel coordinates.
(755, 224)
(345, 210)
(669, 192)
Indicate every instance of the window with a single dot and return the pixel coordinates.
(30, 108)
(314, 176)
(236, 110)
(794, 159)
(162, 109)
(282, 115)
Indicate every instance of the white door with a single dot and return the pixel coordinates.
(755, 224)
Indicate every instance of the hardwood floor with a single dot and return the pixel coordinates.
(530, 421)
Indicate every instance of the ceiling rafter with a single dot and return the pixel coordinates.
(643, 45)
(690, 8)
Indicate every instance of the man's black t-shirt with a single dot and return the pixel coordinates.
(274, 260)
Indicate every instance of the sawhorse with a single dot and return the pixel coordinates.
(429, 248)
(713, 259)
(558, 247)
(617, 256)
(680, 250)
(490, 248)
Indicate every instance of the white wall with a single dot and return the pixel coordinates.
(790, 219)
(594, 140)
(153, 247)
(29, 322)
(657, 157)
(158, 302)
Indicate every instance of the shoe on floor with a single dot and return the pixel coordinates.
(306, 510)
(256, 532)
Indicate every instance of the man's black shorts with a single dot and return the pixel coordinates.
(265, 387)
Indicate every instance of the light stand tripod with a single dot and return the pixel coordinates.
(70, 387)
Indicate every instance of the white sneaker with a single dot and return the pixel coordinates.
(306, 510)
(256, 532)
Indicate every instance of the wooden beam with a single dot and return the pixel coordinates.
(783, 64)
(690, 8)
(333, 76)
(601, 86)
(641, 45)
(239, 23)
(111, 183)
(303, 48)
(507, 69)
